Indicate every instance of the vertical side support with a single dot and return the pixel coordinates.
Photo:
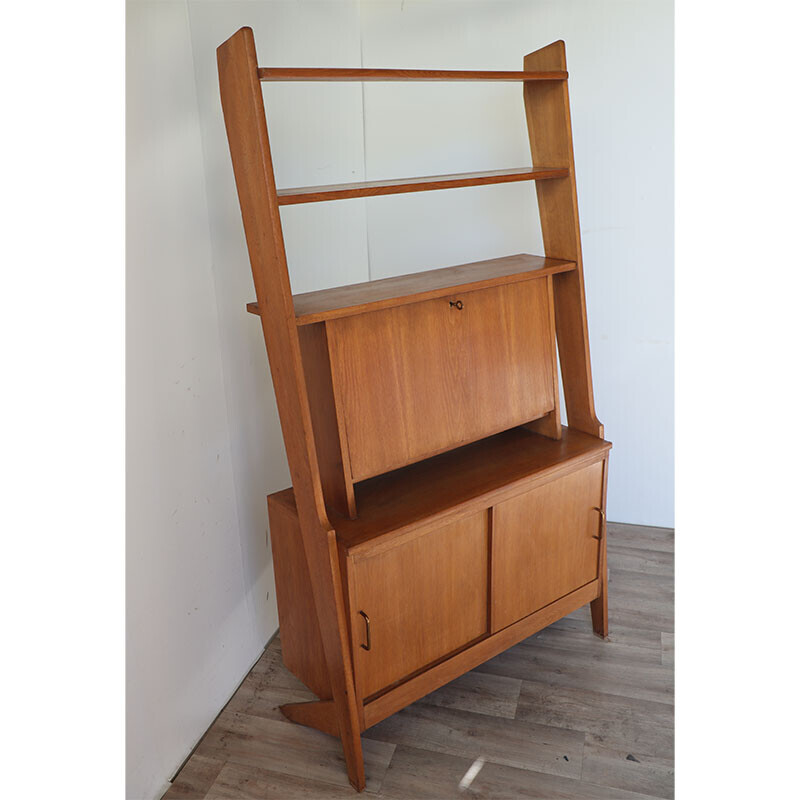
(599, 606)
(550, 133)
(246, 125)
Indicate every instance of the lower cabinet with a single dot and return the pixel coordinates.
(433, 593)
(417, 601)
(545, 544)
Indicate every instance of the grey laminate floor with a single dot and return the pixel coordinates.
(561, 715)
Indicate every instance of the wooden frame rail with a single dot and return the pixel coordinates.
(386, 704)
(344, 191)
(366, 74)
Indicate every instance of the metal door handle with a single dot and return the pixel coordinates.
(368, 645)
(602, 522)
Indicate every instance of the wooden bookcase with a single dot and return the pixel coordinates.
(439, 512)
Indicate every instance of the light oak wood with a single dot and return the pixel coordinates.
(329, 433)
(360, 298)
(544, 545)
(303, 651)
(550, 424)
(438, 508)
(246, 126)
(550, 131)
(410, 500)
(351, 74)
(387, 704)
(423, 599)
(476, 476)
(345, 191)
(423, 378)
(319, 714)
(402, 570)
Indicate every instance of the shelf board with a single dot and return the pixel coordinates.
(359, 298)
(348, 74)
(345, 191)
(471, 477)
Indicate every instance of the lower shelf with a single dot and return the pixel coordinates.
(477, 475)
(454, 481)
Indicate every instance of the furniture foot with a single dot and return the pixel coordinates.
(354, 759)
(322, 558)
(320, 714)
(599, 609)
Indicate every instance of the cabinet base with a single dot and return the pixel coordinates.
(436, 676)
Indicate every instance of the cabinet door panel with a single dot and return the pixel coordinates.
(544, 545)
(424, 599)
(419, 379)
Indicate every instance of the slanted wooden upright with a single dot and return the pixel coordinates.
(439, 512)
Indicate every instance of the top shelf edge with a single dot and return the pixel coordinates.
(267, 74)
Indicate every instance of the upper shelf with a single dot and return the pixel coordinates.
(343, 191)
(359, 298)
(334, 74)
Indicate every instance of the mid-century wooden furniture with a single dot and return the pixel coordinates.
(439, 512)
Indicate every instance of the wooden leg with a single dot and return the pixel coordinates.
(322, 560)
(600, 611)
(320, 714)
(354, 759)
(246, 124)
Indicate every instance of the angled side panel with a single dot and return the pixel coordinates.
(246, 125)
(550, 132)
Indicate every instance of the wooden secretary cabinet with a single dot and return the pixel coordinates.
(439, 511)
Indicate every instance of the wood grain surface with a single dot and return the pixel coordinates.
(419, 379)
(248, 140)
(471, 477)
(424, 598)
(543, 544)
(367, 74)
(360, 298)
(345, 191)
(547, 113)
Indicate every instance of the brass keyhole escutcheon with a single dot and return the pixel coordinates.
(457, 303)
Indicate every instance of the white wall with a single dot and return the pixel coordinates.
(197, 617)
(204, 441)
